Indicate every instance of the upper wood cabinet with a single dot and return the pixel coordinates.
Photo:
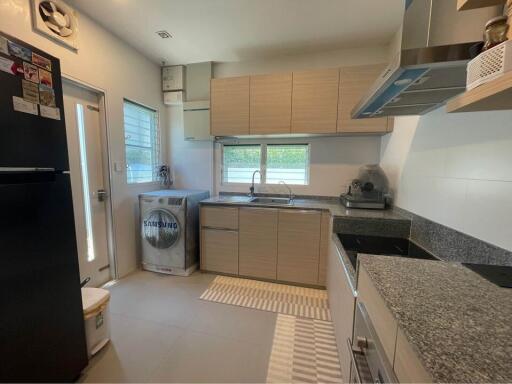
(354, 84)
(315, 101)
(229, 106)
(270, 104)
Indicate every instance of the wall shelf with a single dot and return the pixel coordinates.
(464, 5)
(491, 96)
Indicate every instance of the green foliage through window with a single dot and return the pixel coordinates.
(283, 162)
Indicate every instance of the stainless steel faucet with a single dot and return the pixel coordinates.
(251, 193)
(290, 193)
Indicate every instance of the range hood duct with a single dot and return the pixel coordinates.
(429, 66)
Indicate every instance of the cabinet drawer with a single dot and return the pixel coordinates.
(408, 367)
(219, 251)
(383, 321)
(219, 217)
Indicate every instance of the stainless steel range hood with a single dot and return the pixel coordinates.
(429, 66)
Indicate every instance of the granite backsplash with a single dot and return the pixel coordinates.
(451, 245)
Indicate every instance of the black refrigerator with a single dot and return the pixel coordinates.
(42, 336)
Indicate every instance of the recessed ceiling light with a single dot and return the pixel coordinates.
(164, 34)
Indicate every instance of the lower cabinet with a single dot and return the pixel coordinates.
(257, 253)
(219, 250)
(298, 246)
(342, 299)
(407, 366)
(266, 243)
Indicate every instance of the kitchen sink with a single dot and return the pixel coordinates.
(271, 200)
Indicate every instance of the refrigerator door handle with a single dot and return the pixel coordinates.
(24, 169)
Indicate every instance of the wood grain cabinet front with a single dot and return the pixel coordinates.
(219, 217)
(229, 106)
(271, 104)
(407, 366)
(298, 246)
(258, 242)
(354, 84)
(219, 251)
(315, 101)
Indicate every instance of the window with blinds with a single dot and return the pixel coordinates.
(142, 143)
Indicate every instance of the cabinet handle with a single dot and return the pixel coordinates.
(220, 229)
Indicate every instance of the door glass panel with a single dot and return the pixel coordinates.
(85, 181)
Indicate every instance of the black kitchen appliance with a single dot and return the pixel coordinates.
(501, 275)
(42, 336)
(378, 245)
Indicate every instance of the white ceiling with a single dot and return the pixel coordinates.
(235, 30)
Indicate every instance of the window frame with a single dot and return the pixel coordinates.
(157, 145)
(263, 163)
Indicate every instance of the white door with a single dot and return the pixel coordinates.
(89, 181)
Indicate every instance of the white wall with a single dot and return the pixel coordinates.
(104, 62)
(334, 161)
(455, 169)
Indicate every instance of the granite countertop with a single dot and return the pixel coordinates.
(459, 323)
(332, 205)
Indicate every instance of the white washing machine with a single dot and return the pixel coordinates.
(169, 221)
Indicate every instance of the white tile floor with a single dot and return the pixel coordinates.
(162, 332)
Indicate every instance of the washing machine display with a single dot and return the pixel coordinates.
(161, 228)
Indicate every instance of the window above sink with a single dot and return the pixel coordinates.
(276, 162)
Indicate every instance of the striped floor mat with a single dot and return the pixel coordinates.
(280, 298)
(304, 351)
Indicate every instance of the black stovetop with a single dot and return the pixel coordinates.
(497, 274)
(391, 246)
(377, 245)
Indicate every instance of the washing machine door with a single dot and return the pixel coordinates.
(161, 228)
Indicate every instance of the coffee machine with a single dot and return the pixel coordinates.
(369, 191)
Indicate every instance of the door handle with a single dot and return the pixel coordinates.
(102, 195)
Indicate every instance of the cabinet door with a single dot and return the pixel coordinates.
(342, 304)
(315, 101)
(271, 104)
(383, 321)
(407, 365)
(325, 239)
(354, 84)
(219, 251)
(230, 106)
(258, 242)
(298, 246)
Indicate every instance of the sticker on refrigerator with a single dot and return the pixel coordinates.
(31, 72)
(50, 112)
(46, 96)
(19, 51)
(45, 78)
(41, 61)
(4, 48)
(24, 106)
(30, 91)
(8, 66)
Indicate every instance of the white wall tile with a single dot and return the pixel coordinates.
(456, 170)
